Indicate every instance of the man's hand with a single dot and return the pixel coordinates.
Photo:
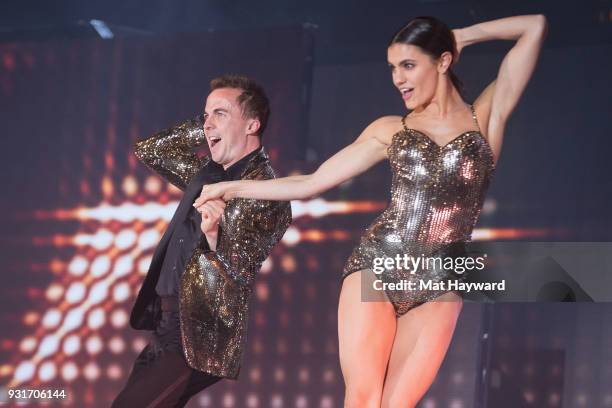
(211, 211)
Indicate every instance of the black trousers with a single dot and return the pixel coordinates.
(160, 376)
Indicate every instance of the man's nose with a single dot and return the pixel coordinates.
(207, 124)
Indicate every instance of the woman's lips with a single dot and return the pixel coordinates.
(407, 94)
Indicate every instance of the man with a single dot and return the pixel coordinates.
(196, 293)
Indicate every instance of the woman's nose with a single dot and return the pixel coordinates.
(398, 79)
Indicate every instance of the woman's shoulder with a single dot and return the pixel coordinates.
(385, 127)
(388, 121)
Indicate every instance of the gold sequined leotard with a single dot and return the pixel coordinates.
(437, 193)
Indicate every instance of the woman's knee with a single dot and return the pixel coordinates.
(398, 400)
(362, 396)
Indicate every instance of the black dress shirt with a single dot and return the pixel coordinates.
(187, 234)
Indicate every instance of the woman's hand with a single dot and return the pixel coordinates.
(212, 192)
(460, 43)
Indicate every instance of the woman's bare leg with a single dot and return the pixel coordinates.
(365, 333)
(421, 341)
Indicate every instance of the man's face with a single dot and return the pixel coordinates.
(225, 127)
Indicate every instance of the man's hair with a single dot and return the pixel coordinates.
(253, 100)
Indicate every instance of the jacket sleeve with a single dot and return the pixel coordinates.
(253, 227)
(170, 152)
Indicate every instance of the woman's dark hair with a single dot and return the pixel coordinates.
(433, 37)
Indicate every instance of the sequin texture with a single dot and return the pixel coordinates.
(216, 286)
(437, 193)
(170, 152)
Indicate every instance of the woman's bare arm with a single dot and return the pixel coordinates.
(499, 99)
(367, 150)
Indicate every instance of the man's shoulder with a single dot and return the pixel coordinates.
(260, 168)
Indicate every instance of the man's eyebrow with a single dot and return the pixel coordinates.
(216, 110)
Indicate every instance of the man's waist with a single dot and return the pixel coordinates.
(169, 303)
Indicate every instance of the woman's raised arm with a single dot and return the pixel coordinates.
(501, 96)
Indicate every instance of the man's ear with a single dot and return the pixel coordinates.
(253, 126)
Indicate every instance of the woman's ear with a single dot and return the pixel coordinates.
(444, 62)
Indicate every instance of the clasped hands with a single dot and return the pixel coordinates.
(211, 204)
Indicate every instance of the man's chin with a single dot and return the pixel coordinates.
(215, 157)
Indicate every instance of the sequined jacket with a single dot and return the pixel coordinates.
(216, 286)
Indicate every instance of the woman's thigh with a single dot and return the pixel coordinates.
(421, 341)
(365, 331)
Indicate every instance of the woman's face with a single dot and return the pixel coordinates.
(415, 74)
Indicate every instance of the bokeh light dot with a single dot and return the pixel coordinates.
(74, 319)
(96, 318)
(93, 345)
(291, 237)
(116, 345)
(52, 318)
(48, 345)
(28, 344)
(276, 401)
(125, 239)
(129, 185)
(70, 371)
(78, 266)
(148, 239)
(54, 292)
(75, 292)
(252, 401)
(119, 318)
(267, 266)
(47, 371)
(100, 266)
(123, 266)
(72, 345)
(114, 371)
(143, 265)
(229, 400)
(121, 292)
(24, 371)
(138, 344)
(31, 318)
(98, 293)
(102, 240)
(152, 185)
(91, 371)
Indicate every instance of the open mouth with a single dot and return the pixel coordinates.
(213, 140)
(406, 93)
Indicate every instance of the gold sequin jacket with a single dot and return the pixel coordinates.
(216, 286)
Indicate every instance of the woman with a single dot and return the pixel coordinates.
(442, 157)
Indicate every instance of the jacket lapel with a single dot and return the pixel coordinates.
(208, 174)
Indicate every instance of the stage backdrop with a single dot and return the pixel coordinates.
(81, 217)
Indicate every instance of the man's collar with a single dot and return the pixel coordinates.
(235, 171)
